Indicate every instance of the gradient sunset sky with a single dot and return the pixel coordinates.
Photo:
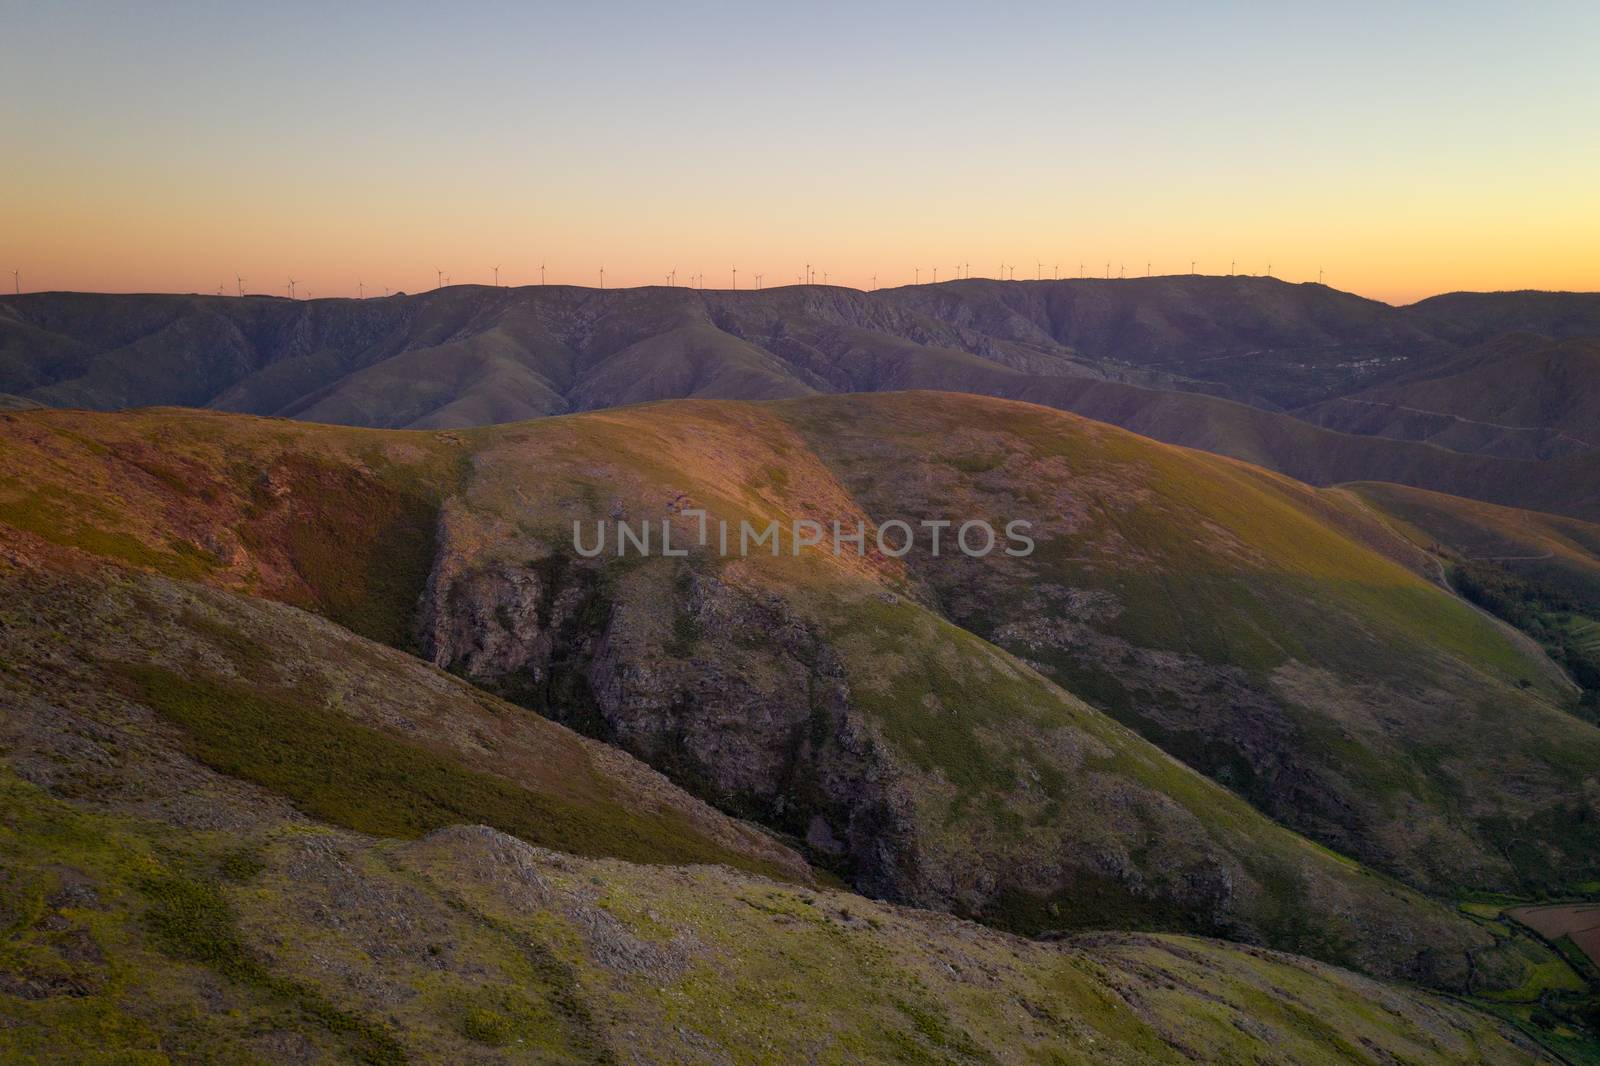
(1406, 149)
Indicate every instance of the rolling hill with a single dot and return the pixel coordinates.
(1540, 572)
(778, 688)
(314, 944)
(220, 799)
(212, 758)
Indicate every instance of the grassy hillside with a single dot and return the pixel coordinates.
(308, 943)
(837, 701)
(122, 685)
(1268, 634)
(1319, 456)
(182, 752)
(990, 810)
(1537, 571)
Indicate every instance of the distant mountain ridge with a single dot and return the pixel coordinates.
(1520, 396)
(559, 348)
(1455, 394)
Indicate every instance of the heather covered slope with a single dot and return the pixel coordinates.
(833, 701)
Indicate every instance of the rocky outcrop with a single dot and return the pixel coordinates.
(724, 689)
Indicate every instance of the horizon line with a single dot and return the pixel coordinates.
(795, 285)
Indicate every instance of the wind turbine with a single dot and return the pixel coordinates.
(291, 288)
(1319, 275)
(1147, 268)
(917, 275)
(16, 281)
(1056, 273)
(1122, 270)
(735, 279)
(1038, 270)
(874, 281)
(361, 289)
(1269, 270)
(1108, 271)
(758, 280)
(824, 277)
(1232, 265)
(497, 277)
(936, 275)
(808, 273)
(1191, 266)
(438, 278)
(602, 277)
(541, 272)
(240, 282)
(219, 288)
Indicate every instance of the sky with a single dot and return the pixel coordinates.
(1400, 149)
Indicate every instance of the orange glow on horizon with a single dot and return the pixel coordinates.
(1398, 153)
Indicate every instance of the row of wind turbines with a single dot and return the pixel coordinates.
(1008, 272)
(963, 271)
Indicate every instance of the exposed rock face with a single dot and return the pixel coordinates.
(735, 697)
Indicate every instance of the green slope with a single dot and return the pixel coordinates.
(836, 701)
(133, 939)
(1271, 635)
(1539, 572)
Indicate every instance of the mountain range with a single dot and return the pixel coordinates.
(318, 711)
(1457, 394)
